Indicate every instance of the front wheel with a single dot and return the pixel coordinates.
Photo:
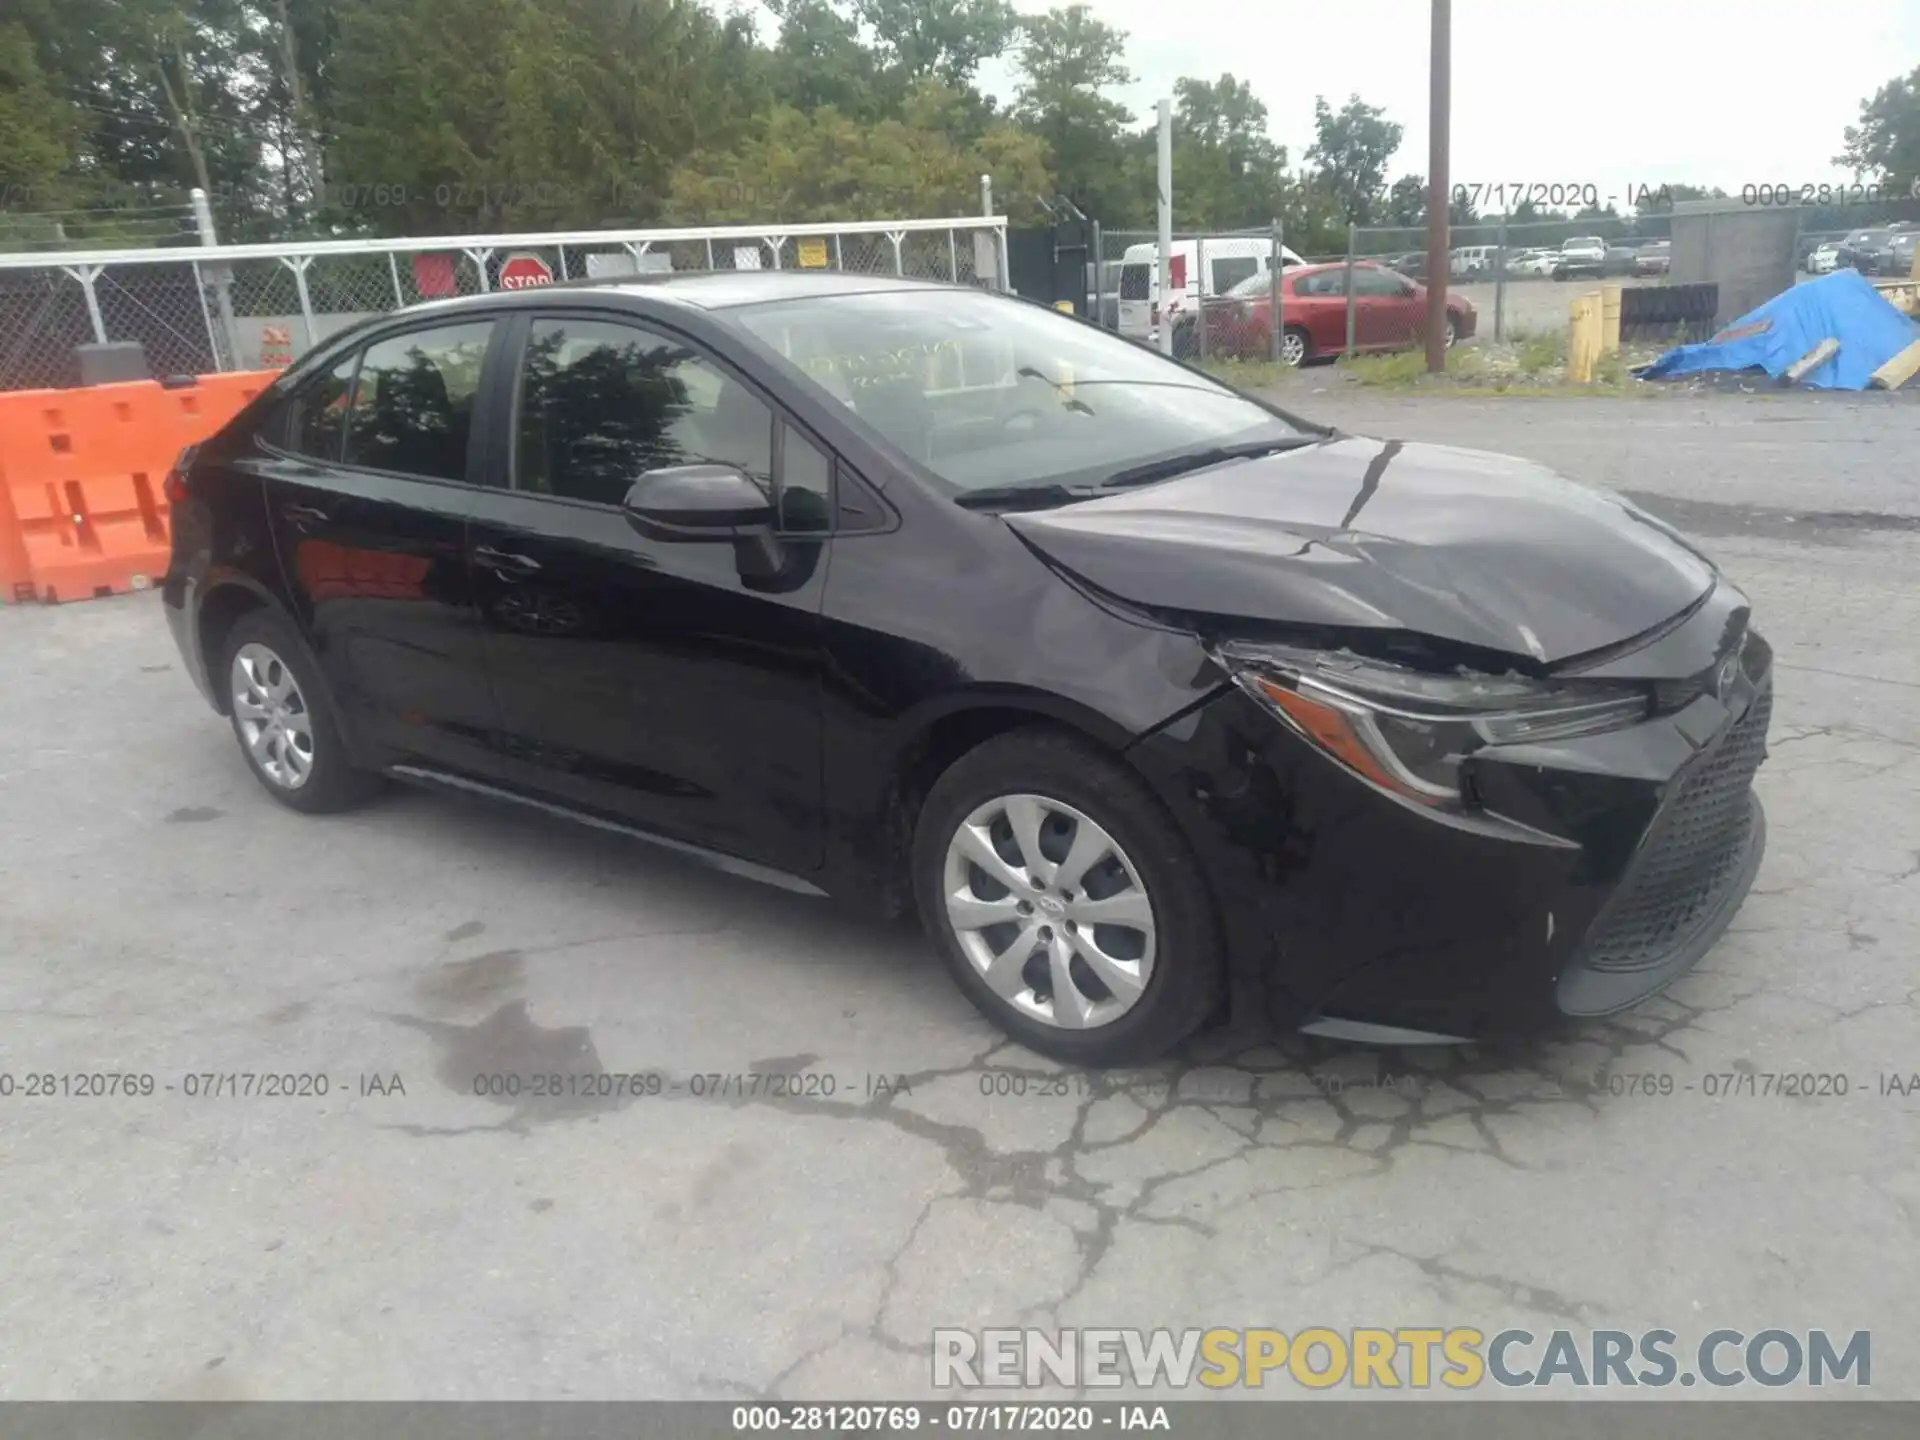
(1453, 333)
(1295, 347)
(1065, 901)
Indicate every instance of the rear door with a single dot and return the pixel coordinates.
(1138, 284)
(1387, 313)
(645, 680)
(368, 480)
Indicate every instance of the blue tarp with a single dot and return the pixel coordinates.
(1840, 305)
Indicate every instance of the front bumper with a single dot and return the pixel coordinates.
(1599, 872)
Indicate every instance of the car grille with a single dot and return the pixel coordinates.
(1699, 840)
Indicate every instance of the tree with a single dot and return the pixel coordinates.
(1350, 152)
(819, 60)
(494, 115)
(1885, 145)
(39, 131)
(1407, 201)
(944, 40)
(823, 165)
(1229, 173)
(1067, 59)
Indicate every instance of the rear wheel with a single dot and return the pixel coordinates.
(1453, 333)
(283, 719)
(1295, 346)
(1065, 901)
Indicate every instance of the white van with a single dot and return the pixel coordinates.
(1230, 260)
(1472, 260)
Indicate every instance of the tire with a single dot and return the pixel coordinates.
(1453, 333)
(1288, 355)
(303, 763)
(1144, 864)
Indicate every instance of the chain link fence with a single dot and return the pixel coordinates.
(244, 307)
(1224, 291)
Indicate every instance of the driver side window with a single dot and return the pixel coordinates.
(601, 402)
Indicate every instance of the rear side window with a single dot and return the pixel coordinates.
(412, 405)
(318, 421)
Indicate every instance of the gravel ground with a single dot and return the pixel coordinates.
(159, 915)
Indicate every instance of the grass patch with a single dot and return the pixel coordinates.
(1249, 374)
(1405, 368)
(1527, 363)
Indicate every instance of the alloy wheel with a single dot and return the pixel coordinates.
(274, 721)
(1293, 348)
(1050, 912)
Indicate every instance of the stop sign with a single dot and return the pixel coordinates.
(523, 272)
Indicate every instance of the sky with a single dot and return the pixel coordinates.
(1707, 92)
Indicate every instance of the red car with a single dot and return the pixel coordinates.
(1389, 313)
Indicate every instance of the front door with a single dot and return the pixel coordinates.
(368, 486)
(1384, 314)
(641, 679)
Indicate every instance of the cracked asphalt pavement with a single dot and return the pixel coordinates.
(404, 1237)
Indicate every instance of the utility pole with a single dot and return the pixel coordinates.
(1439, 198)
(1165, 326)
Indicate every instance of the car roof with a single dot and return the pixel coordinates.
(705, 289)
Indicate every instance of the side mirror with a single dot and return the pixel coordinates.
(709, 502)
(697, 502)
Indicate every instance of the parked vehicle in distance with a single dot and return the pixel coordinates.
(1654, 258)
(1533, 263)
(1582, 255)
(1471, 261)
(1412, 264)
(1618, 261)
(1160, 705)
(1389, 313)
(1861, 249)
(1824, 258)
(1896, 258)
(1229, 258)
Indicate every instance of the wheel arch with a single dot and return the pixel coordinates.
(222, 603)
(934, 737)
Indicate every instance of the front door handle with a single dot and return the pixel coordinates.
(304, 514)
(505, 561)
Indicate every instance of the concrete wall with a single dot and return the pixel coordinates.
(1747, 250)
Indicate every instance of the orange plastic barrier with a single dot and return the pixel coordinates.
(83, 510)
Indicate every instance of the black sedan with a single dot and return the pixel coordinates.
(1161, 706)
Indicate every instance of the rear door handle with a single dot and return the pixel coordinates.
(304, 514)
(505, 561)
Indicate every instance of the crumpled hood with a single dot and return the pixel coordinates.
(1461, 545)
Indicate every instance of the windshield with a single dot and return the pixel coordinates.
(987, 392)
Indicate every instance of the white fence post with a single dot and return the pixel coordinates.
(480, 257)
(298, 264)
(86, 275)
(213, 340)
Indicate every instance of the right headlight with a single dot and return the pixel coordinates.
(1407, 731)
